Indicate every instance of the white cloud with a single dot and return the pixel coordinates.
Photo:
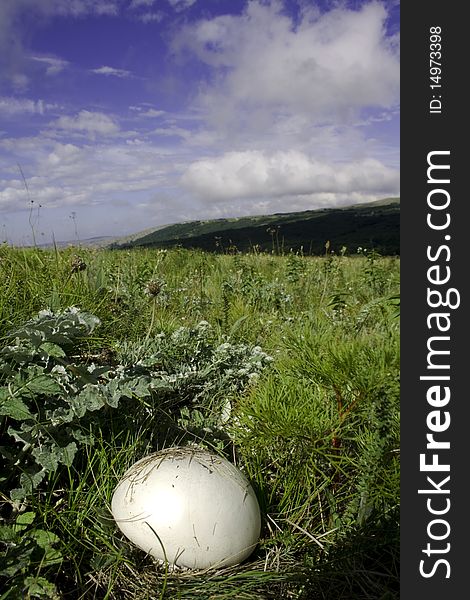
(19, 81)
(253, 174)
(111, 71)
(146, 111)
(151, 17)
(173, 131)
(107, 8)
(63, 154)
(180, 5)
(14, 106)
(147, 16)
(152, 113)
(68, 174)
(12, 194)
(87, 121)
(50, 8)
(77, 8)
(328, 67)
(139, 3)
(54, 65)
(10, 106)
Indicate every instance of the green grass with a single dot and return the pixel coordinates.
(317, 432)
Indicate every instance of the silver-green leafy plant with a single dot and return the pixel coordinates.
(52, 391)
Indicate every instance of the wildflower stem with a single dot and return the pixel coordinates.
(152, 320)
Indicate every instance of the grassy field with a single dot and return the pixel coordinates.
(286, 365)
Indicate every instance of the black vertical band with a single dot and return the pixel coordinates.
(435, 321)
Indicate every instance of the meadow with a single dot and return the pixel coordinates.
(287, 365)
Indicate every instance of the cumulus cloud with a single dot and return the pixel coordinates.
(328, 66)
(15, 106)
(67, 174)
(253, 174)
(89, 122)
(111, 71)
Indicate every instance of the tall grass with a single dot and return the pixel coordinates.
(317, 433)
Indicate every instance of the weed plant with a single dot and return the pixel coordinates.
(287, 365)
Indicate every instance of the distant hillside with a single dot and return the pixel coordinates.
(371, 225)
(94, 242)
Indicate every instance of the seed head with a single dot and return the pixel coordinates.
(154, 288)
(77, 264)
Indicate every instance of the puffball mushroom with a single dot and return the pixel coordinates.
(188, 507)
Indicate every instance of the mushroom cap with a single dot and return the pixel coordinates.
(188, 507)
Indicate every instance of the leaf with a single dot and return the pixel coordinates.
(91, 321)
(23, 434)
(17, 354)
(7, 534)
(90, 398)
(49, 457)
(11, 406)
(23, 520)
(17, 558)
(46, 457)
(87, 439)
(30, 335)
(62, 415)
(59, 329)
(53, 350)
(127, 388)
(39, 586)
(45, 540)
(67, 454)
(28, 482)
(6, 369)
(84, 376)
(44, 385)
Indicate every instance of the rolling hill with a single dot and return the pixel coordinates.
(370, 225)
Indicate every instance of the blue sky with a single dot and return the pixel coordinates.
(119, 115)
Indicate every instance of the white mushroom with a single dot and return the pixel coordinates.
(188, 507)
